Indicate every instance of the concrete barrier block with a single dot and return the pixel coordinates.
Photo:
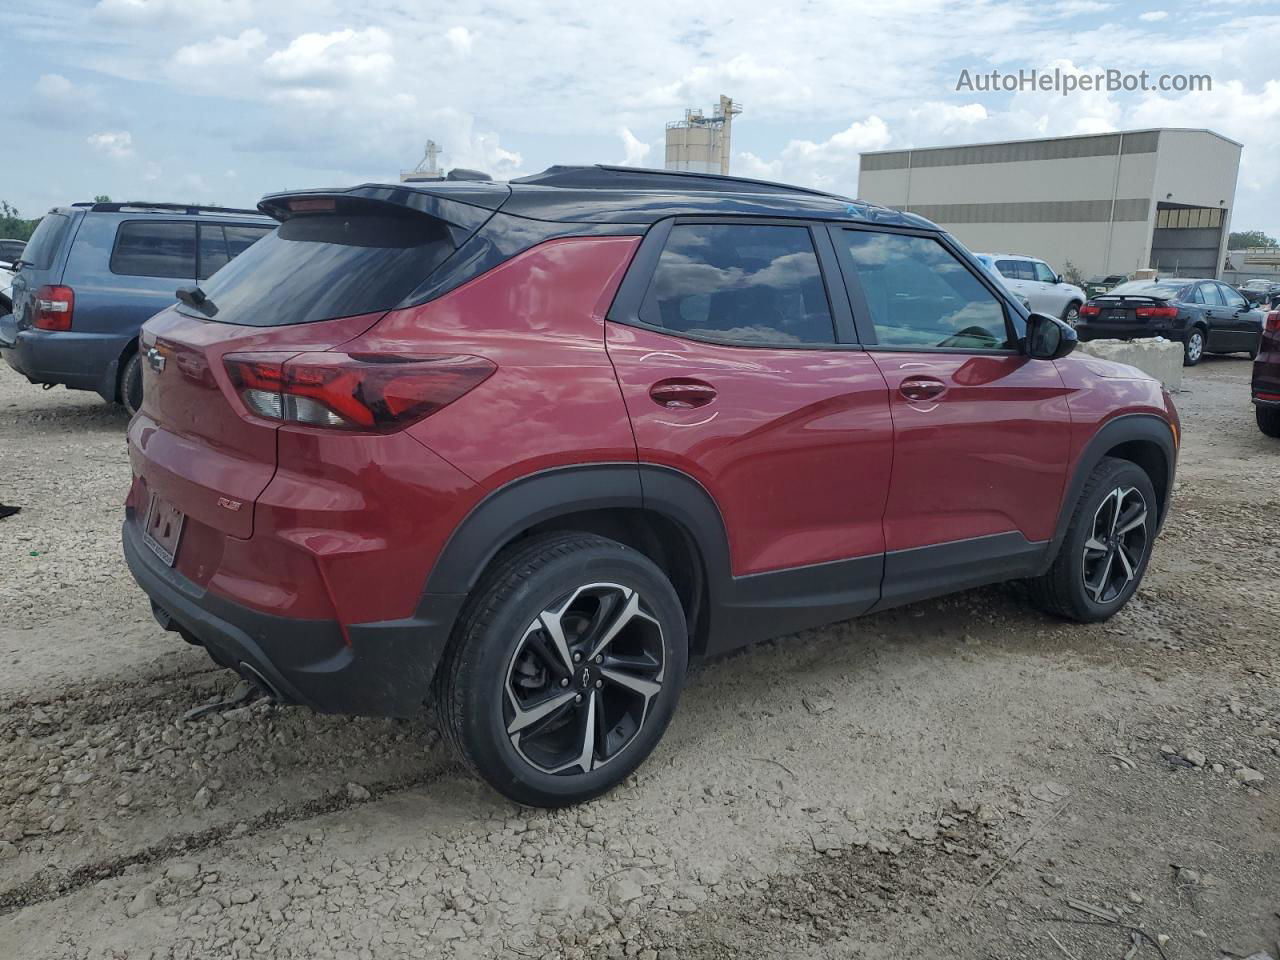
(1154, 356)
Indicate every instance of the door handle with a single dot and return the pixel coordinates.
(921, 388)
(682, 394)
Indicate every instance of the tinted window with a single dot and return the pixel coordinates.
(919, 295)
(747, 283)
(213, 249)
(149, 248)
(1043, 273)
(1211, 295)
(319, 266)
(45, 241)
(1015, 269)
(240, 238)
(1230, 297)
(1197, 295)
(1149, 288)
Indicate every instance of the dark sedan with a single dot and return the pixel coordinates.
(1260, 292)
(1205, 316)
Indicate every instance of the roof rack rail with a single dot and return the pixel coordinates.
(191, 208)
(600, 175)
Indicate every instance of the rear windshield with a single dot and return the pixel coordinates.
(320, 266)
(1145, 288)
(44, 243)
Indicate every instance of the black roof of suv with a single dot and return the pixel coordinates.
(622, 195)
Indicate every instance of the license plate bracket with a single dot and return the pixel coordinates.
(163, 529)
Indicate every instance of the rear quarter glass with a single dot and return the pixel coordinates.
(319, 266)
(48, 237)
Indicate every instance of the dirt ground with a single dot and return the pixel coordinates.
(960, 778)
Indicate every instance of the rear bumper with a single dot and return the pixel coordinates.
(385, 670)
(81, 361)
(1086, 330)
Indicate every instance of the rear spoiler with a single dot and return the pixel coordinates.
(462, 206)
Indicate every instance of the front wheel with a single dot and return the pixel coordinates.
(1108, 543)
(1193, 349)
(564, 670)
(1268, 420)
(1071, 315)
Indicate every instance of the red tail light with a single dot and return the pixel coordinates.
(379, 393)
(1273, 321)
(1089, 310)
(1157, 312)
(54, 306)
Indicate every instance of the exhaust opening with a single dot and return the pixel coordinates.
(258, 680)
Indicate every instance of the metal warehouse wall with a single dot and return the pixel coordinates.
(1089, 200)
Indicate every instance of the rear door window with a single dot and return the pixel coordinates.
(319, 266)
(1230, 297)
(46, 240)
(741, 283)
(1015, 269)
(918, 295)
(213, 250)
(155, 248)
(240, 237)
(1211, 295)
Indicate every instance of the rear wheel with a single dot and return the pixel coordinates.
(131, 384)
(1268, 420)
(1107, 546)
(1193, 349)
(564, 670)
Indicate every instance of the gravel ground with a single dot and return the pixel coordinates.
(959, 778)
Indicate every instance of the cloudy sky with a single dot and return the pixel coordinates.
(224, 100)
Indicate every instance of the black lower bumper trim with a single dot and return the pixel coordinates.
(385, 670)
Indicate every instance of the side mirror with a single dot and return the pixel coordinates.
(1048, 338)
(1058, 278)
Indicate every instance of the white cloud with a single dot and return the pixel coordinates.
(316, 64)
(218, 52)
(1152, 16)
(829, 165)
(147, 12)
(116, 144)
(460, 39)
(634, 149)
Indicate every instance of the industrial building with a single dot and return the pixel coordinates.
(1110, 203)
(702, 144)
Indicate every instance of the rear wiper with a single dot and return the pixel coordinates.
(197, 298)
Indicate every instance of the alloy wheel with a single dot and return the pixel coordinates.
(1195, 346)
(1116, 545)
(581, 680)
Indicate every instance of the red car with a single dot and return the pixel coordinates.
(525, 449)
(1266, 378)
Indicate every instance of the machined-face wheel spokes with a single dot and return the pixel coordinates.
(1116, 545)
(1195, 346)
(581, 680)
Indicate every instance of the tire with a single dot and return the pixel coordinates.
(1080, 585)
(1193, 347)
(1071, 315)
(131, 384)
(1268, 420)
(504, 667)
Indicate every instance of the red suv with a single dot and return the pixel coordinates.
(525, 449)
